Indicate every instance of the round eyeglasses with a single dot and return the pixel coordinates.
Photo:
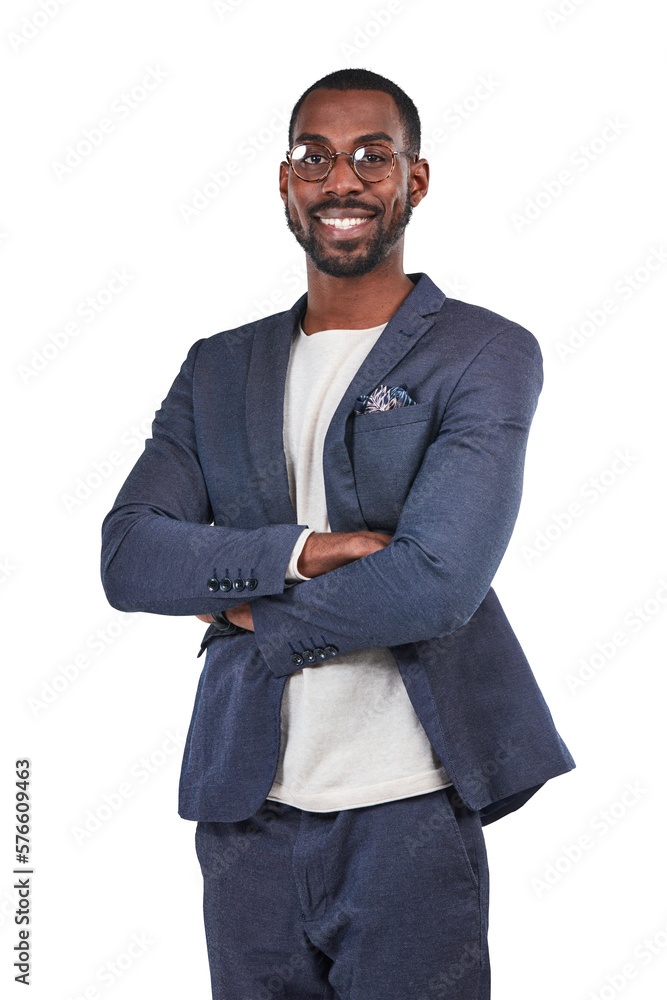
(312, 161)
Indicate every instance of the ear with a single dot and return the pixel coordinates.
(419, 180)
(283, 180)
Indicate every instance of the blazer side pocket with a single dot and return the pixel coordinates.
(212, 633)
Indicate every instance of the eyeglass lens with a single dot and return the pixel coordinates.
(311, 161)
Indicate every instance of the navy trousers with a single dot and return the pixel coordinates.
(383, 902)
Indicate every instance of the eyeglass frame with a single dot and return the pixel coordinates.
(317, 180)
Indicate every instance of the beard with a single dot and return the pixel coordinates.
(345, 260)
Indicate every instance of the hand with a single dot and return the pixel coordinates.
(238, 615)
(327, 550)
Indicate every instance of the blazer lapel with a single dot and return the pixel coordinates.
(410, 322)
(265, 395)
(265, 400)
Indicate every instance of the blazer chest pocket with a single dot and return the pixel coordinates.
(387, 449)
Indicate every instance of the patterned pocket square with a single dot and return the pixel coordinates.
(385, 397)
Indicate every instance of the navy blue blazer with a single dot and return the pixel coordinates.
(208, 501)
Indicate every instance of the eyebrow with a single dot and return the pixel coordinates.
(369, 137)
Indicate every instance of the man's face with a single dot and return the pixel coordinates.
(342, 120)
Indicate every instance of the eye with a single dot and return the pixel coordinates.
(372, 155)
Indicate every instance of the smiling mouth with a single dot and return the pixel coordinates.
(347, 223)
(346, 227)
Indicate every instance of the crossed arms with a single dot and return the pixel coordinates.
(455, 525)
(321, 553)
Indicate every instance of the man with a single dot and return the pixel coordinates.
(364, 707)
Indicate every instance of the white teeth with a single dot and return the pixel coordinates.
(342, 223)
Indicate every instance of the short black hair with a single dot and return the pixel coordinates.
(366, 79)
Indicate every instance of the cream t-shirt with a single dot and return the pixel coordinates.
(350, 736)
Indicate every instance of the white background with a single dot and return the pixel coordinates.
(559, 927)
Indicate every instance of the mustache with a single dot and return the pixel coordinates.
(344, 207)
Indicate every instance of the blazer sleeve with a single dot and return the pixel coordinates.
(159, 547)
(452, 533)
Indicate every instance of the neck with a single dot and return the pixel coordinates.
(354, 303)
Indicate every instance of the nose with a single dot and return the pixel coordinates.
(342, 179)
